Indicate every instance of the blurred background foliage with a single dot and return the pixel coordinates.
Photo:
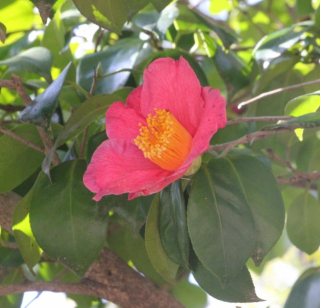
(242, 47)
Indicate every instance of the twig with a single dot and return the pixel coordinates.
(153, 38)
(11, 108)
(258, 119)
(245, 139)
(297, 181)
(22, 140)
(276, 91)
(277, 158)
(16, 84)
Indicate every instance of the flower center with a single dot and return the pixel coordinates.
(164, 140)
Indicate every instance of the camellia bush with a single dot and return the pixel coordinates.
(142, 141)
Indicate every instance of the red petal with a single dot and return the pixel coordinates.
(118, 167)
(123, 122)
(134, 98)
(213, 117)
(173, 85)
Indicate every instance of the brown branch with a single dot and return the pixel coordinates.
(16, 84)
(276, 91)
(258, 119)
(109, 277)
(22, 140)
(245, 139)
(11, 108)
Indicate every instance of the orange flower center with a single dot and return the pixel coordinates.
(164, 140)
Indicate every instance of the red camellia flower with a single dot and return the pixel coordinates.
(165, 125)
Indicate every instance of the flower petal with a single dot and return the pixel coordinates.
(173, 85)
(123, 122)
(213, 117)
(118, 167)
(134, 98)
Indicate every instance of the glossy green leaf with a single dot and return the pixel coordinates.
(160, 4)
(17, 160)
(164, 266)
(190, 295)
(54, 39)
(240, 289)
(45, 8)
(303, 223)
(10, 257)
(121, 55)
(232, 69)
(220, 222)
(3, 31)
(191, 21)
(130, 247)
(109, 14)
(25, 239)
(304, 7)
(43, 106)
(134, 211)
(302, 105)
(265, 201)
(305, 291)
(36, 60)
(67, 224)
(173, 224)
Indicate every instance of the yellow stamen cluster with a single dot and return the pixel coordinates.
(164, 140)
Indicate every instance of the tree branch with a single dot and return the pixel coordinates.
(9, 108)
(245, 139)
(16, 84)
(276, 91)
(22, 140)
(109, 277)
(258, 119)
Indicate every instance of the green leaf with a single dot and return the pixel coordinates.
(44, 7)
(304, 7)
(191, 22)
(302, 105)
(173, 224)
(87, 113)
(67, 224)
(240, 289)
(317, 17)
(160, 4)
(303, 223)
(3, 32)
(232, 69)
(304, 293)
(36, 60)
(105, 13)
(133, 248)
(134, 211)
(94, 142)
(121, 55)
(10, 257)
(164, 266)
(220, 223)
(110, 14)
(189, 295)
(265, 201)
(54, 39)
(217, 6)
(25, 239)
(17, 160)
(43, 106)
